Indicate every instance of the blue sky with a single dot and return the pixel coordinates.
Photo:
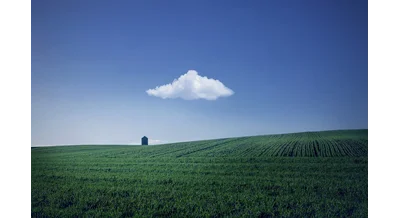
(291, 65)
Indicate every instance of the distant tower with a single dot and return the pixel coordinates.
(145, 140)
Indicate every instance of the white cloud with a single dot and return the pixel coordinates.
(192, 86)
(62, 144)
(156, 141)
(42, 145)
(151, 142)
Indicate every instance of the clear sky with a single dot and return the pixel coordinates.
(259, 67)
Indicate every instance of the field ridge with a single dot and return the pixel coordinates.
(311, 174)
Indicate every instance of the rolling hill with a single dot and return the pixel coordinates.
(306, 174)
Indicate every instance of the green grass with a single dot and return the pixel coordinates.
(311, 174)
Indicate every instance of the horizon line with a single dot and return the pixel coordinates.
(139, 144)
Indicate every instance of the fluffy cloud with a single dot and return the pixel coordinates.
(156, 141)
(192, 86)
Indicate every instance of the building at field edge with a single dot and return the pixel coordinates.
(145, 140)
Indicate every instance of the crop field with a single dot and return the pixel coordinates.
(311, 174)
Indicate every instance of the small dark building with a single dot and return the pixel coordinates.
(145, 140)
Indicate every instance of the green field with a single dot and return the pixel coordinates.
(311, 174)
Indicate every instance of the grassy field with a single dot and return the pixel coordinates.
(312, 174)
